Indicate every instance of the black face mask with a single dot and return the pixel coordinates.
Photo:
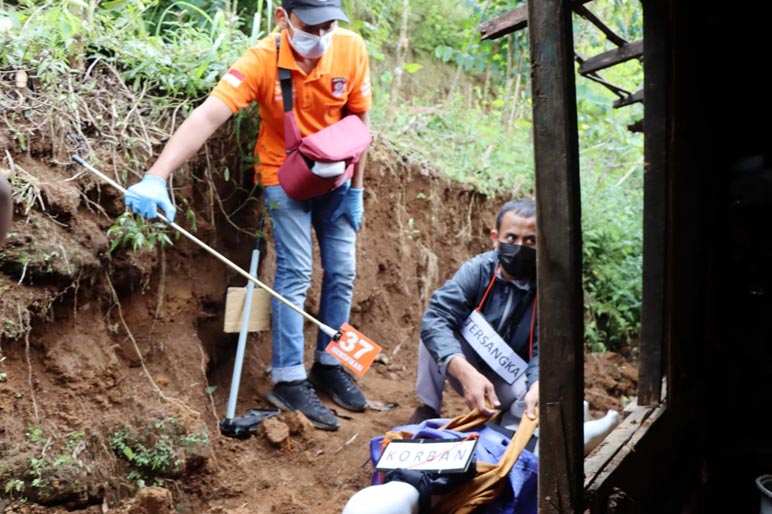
(517, 260)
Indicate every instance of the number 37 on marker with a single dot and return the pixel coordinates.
(354, 350)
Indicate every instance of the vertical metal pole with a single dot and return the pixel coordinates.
(243, 333)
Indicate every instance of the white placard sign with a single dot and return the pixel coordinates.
(427, 455)
(492, 349)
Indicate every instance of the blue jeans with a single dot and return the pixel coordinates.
(292, 221)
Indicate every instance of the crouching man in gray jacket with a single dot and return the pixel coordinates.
(479, 331)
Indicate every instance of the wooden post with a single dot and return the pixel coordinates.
(558, 202)
(654, 203)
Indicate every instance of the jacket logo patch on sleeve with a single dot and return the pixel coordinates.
(338, 86)
(233, 77)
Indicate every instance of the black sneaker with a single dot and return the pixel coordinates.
(421, 414)
(335, 381)
(300, 395)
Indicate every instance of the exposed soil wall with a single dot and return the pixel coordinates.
(116, 370)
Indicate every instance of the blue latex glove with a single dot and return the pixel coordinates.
(352, 207)
(147, 195)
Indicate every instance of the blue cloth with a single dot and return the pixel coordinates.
(292, 223)
(520, 495)
(352, 207)
(148, 195)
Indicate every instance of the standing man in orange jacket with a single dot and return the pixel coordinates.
(331, 78)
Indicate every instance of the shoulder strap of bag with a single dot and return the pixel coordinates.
(292, 135)
(285, 77)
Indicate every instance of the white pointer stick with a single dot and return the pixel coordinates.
(334, 334)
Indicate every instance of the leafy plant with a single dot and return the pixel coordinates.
(158, 457)
(44, 466)
(612, 262)
(135, 232)
(75, 439)
(14, 485)
(411, 231)
(35, 434)
(158, 450)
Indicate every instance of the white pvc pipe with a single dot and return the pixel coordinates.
(237, 365)
(390, 498)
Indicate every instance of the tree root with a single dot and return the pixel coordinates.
(174, 401)
(29, 366)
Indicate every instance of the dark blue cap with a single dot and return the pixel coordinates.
(315, 12)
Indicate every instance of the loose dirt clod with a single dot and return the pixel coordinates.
(275, 431)
(153, 500)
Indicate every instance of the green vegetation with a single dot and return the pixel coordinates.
(612, 217)
(158, 451)
(442, 97)
(137, 233)
(12, 486)
(44, 457)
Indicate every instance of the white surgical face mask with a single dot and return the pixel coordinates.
(309, 45)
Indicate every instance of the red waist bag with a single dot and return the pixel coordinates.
(344, 141)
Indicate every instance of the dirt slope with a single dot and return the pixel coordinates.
(116, 370)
